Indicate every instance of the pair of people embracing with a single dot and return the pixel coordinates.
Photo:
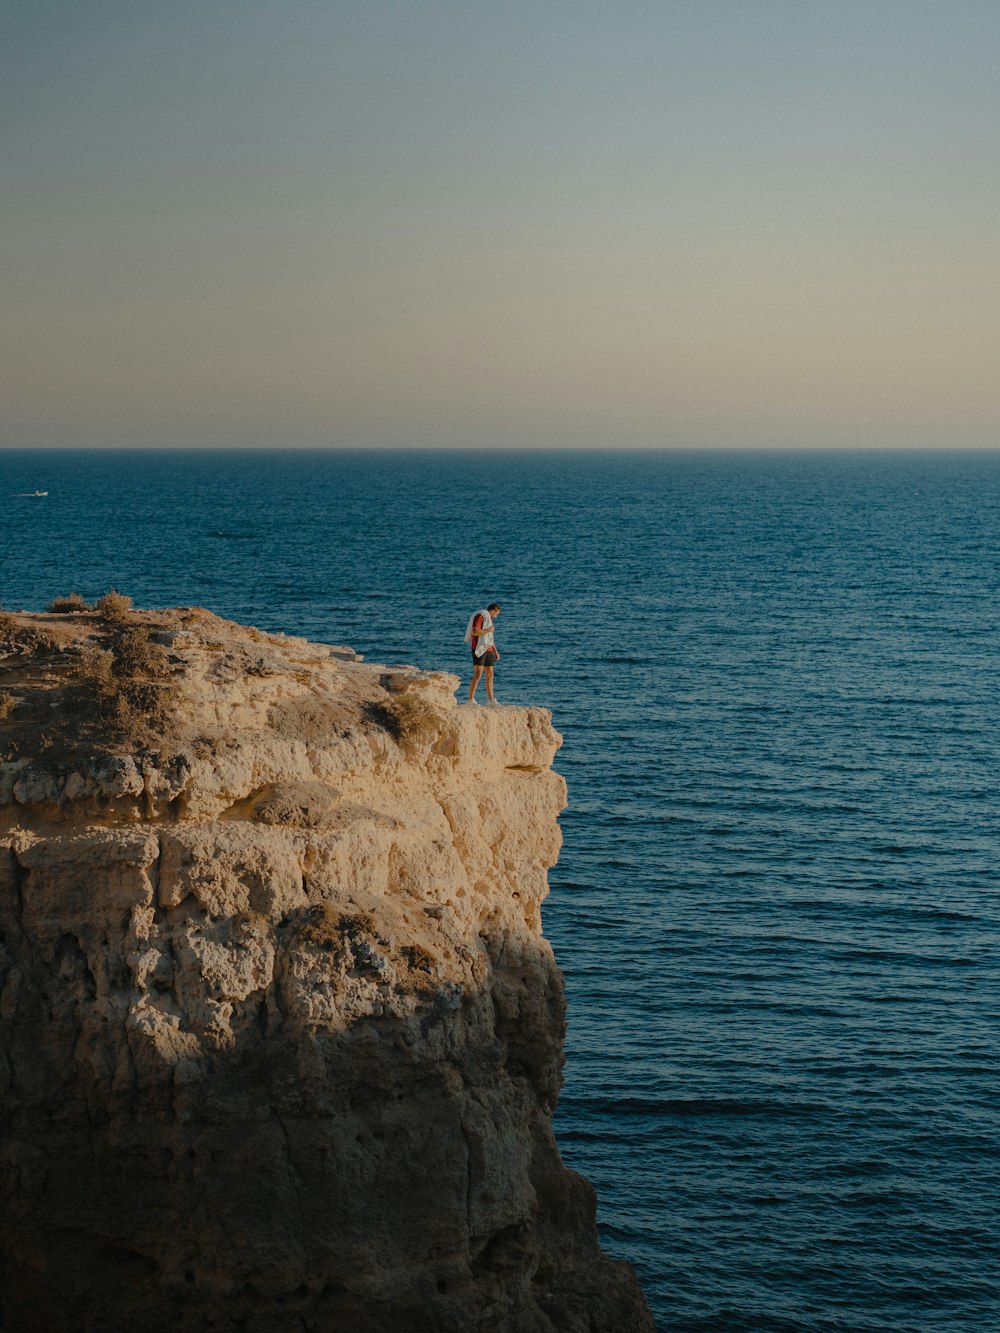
(479, 634)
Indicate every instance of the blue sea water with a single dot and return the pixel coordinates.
(777, 904)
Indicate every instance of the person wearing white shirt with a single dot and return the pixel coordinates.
(479, 635)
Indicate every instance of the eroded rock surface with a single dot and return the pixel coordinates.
(281, 1036)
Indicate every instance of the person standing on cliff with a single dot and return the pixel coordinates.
(479, 634)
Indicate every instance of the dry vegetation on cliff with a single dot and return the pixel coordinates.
(83, 681)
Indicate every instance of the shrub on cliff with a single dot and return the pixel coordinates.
(96, 664)
(114, 606)
(128, 685)
(136, 655)
(73, 601)
(355, 934)
(110, 693)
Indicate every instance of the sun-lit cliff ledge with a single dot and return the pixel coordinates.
(281, 1036)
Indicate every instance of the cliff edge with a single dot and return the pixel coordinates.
(280, 1035)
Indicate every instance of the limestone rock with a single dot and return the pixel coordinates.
(281, 1034)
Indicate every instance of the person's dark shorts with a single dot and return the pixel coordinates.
(489, 658)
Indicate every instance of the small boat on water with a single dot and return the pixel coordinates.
(29, 495)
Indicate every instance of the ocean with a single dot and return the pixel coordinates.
(778, 679)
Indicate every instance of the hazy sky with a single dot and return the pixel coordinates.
(523, 222)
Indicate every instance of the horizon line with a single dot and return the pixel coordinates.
(504, 448)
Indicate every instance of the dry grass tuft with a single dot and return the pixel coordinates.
(324, 926)
(136, 655)
(127, 686)
(73, 601)
(114, 606)
(321, 927)
(97, 664)
(109, 694)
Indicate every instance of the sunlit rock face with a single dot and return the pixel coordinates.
(281, 1034)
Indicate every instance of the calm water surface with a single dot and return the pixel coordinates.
(777, 905)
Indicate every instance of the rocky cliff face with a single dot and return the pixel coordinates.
(281, 1036)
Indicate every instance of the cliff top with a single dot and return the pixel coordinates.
(120, 713)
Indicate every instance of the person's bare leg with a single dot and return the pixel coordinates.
(477, 672)
(489, 684)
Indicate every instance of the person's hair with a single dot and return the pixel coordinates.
(493, 606)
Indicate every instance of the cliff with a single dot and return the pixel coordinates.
(281, 1036)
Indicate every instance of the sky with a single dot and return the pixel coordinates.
(523, 223)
